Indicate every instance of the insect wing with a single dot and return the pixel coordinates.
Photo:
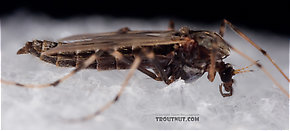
(113, 40)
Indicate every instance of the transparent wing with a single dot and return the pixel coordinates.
(113, 40)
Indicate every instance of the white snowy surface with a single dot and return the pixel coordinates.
(256, 103)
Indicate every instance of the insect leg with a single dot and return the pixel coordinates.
(212, 70)
(133, 68)
(261, 67)
(226, 94)
(149, 73)
(140, 68)
(222, 30)
(151, 56)
(123, 30)
(171, 25)
(85, 64)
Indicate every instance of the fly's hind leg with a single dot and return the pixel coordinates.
(150, 74)
(83, 65)
(140, 68)
(149, 54)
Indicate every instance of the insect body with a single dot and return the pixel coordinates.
(171, 54)
(178, 54)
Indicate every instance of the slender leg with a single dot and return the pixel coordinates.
(212, 70)
(171, 25)
(222, 30)
(225, 94)
(157, 73)
(133, 68)
(85, 64)
(140, 68)
(162, 73)
(151, 56)
(123, 30)
(149, 73)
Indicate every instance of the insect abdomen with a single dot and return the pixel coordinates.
(105, 62)
(75, 59)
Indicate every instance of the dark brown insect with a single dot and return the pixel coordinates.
(171, 54)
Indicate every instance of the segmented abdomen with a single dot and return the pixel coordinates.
(74, 59)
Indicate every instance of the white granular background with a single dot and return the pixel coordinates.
(256, 103)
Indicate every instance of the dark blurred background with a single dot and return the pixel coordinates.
(272, 16)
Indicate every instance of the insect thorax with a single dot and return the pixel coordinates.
(194, 55)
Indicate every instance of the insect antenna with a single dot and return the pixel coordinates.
(133, 68)
(243, 70)
(85, 64)
(222, 30)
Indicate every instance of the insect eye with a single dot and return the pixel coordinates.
(226, 75)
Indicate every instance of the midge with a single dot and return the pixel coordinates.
(171, 54)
